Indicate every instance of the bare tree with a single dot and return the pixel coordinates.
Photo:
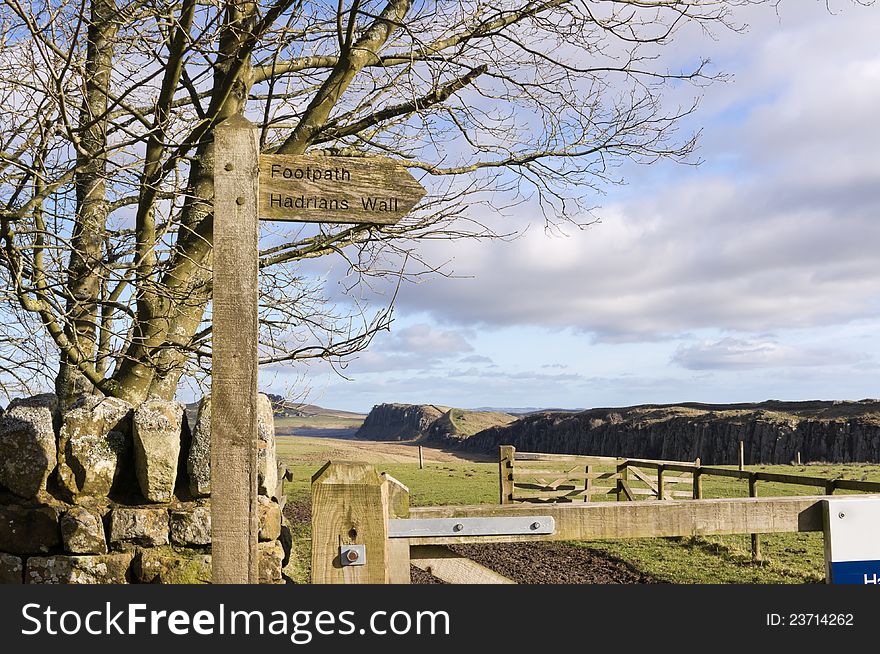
(106, 154)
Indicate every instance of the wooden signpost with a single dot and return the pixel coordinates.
(249, 186)
(336, 189)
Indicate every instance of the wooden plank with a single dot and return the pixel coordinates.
(550, 487)
(349, 507)
(594, 460)
(567, 492)
(800, 480)
(398, 548)
(520, 474)
(660, 490)
(321, 189)
(621, 482)
(650, 518)
(676, 480)
(682, 466)
(853, 484)
(641, 476)
(506, 458)
(453, 568)
(588, 483)
(724, 472)
(628, 492)
(234, 516)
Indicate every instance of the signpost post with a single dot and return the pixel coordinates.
(852, 541)
(249, 186)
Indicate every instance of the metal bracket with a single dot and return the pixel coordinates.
(513, 526)
(353, 554)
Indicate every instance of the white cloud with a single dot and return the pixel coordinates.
(743, 354)
(778, 230)
(424, 339)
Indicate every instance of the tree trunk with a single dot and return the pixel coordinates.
(155, 360)
(87, 241)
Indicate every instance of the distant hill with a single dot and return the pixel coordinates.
(290, 415)
(772, 432)
(522, 411)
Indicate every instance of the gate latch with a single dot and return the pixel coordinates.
(438, 527)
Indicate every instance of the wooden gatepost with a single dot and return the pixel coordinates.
(249, 186)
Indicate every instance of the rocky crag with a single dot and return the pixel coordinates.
(399, 422)
(105, 492)
(457, 425)
(772, 432)
(440, 424)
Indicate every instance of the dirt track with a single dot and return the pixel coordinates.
(346, 449)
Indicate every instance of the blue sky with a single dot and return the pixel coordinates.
(752, 276)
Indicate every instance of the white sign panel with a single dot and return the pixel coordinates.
(852, 540)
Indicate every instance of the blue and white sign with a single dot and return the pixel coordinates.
(852, 540)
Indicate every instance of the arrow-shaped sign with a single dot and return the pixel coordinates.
(321, 189)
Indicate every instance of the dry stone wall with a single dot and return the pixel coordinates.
(105, 492)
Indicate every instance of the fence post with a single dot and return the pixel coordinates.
(588, 484)
(698, 480)
(622, 476)
(829, 487)
(398, 548)
(421, 459)
(506, 458)
(350, 506)
(660, 482)
(799, 458)
(742, 456)
(756, 541)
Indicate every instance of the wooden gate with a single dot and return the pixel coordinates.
(357, 515)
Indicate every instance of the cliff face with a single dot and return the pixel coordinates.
(399, 422)
(773, 432)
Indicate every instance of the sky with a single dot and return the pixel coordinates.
(752, 276)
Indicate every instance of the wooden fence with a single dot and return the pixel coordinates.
(539, 478)
(364, 531)
(542, 478)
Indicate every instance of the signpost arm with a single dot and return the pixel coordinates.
(234, 518)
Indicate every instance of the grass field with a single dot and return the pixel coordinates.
(451, 479)
(318, 422)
